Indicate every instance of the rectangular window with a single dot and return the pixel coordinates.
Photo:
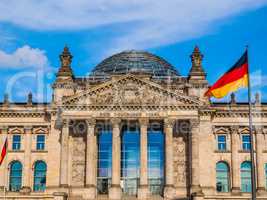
(221, 142)
(16, 142)
(246, 142)
(40, 144)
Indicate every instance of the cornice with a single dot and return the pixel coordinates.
(228, 111)
(239, 113)
(64, 85)
(129, 107)
(18, 114)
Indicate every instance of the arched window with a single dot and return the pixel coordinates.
(265, 167)
(39, 176)
(222, 177)
(246, 176)
(15, 178)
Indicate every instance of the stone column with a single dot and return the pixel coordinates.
(235, 146)
(260, 160)
(64, 177)
(143, 192)
(196, 190)
(169, 191)
(3, 167)
(115, 189)
(27, 160)
(91, 160)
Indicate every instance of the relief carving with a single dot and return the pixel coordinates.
(129, 92)
(78, 161)
(179, 161)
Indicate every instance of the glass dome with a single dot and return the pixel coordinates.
(135, 62)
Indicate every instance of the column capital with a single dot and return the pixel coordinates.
(28, 128)
(115, 122)
(234, 129)
(91, 122)
(169, 123)
(258, 129)
(143, 121)
(4, 128)
(65, 123)
(194, 123)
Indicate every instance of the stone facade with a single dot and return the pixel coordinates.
(191, 125)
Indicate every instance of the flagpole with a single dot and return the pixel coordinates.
(253, 174)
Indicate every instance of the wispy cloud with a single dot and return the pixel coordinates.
(146, 23)
(23, 57)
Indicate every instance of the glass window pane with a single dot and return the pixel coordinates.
(104, 161)
(221, 142)
(156, 161)
(222, 177)
(130, 162)
(16, 142)
(15, 179)
(246, 142)
(265, 175)
(39, 176)
(40, 142)
(246, 176)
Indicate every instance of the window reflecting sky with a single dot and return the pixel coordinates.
(130, 154)
(130, 157)
(105, 154)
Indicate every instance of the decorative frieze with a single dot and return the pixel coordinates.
(78, 161)
(130, 90)
(179, 161)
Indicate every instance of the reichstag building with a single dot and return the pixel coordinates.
(134, 128)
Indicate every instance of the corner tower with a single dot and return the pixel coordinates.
(64, 84)
(197, 76)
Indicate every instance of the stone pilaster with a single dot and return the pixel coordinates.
(3, 167)
(260, 160)
(27, 160)
(169, 191)
(91, 160)
(115, 189)
(143, 192)
(195, 185)
(235, 145)
(64, 177)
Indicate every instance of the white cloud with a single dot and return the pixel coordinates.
(146, 23)
(24, 57)
(258, 79)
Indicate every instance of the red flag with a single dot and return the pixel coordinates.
(3, 152)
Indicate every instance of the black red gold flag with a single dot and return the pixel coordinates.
(3, 152)
(235, 78)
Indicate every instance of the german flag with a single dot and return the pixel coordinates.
(236, 77)
(3, 152)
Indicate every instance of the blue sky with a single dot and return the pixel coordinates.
(33, 34)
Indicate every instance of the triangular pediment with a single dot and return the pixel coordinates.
(130, 90)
